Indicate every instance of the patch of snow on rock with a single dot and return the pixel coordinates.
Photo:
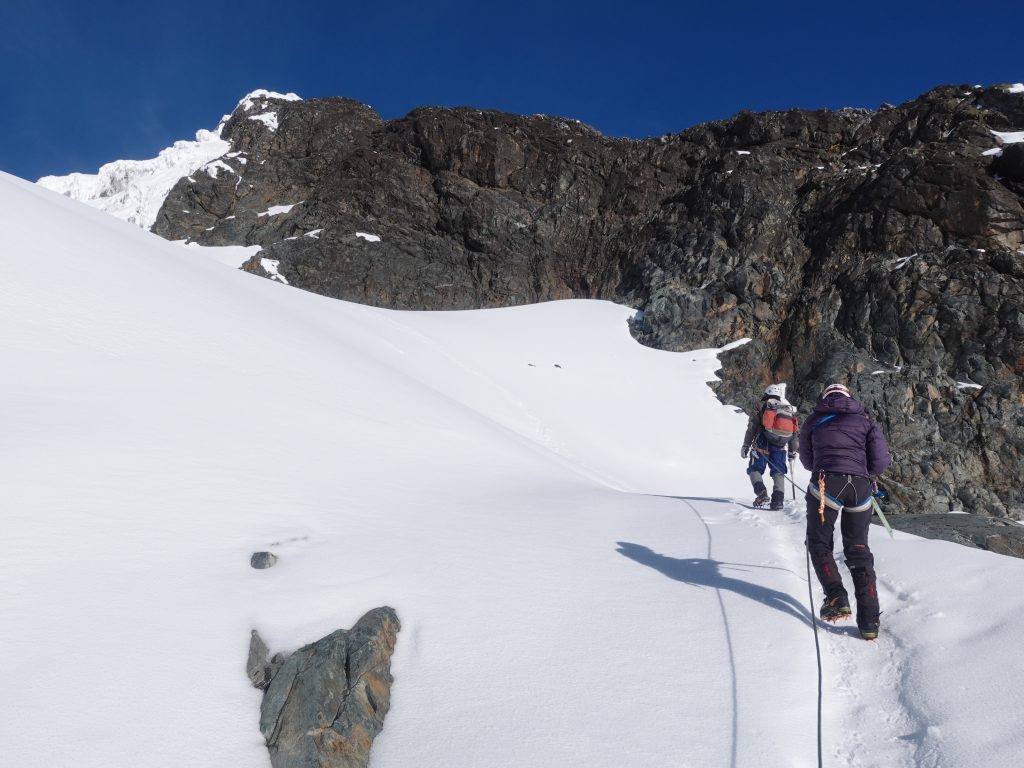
(274, 210)
(1009, 137)
(212, 169)
(247, 101)
(270, 266)
(368, 237)
(269, 119)
(901, 262)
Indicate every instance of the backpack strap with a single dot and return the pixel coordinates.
(830, 416)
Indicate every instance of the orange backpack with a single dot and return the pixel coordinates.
(779, 422)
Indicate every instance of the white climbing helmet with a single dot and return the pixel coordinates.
(775, 390)
(835, 388)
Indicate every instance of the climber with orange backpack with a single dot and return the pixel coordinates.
(772, 431)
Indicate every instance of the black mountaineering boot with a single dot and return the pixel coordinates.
(762, 494)
(869, 632)
(777, 498)
(835, 608)
(868, 626)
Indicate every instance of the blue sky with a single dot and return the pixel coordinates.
(89, 82)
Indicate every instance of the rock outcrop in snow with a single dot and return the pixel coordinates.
(325, 704)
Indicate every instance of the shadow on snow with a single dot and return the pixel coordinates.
(704, 572)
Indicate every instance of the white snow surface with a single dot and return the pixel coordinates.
(276, 210)
(368, 237)
(1016, 88)
(269, 119)
(261, 95)
(232, 255)
(214, 167)
(549, 506)
(1009, 137)
(134, 190)
(271, 265)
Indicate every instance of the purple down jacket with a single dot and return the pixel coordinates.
(839, 437)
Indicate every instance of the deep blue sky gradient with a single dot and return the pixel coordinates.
(84, 83)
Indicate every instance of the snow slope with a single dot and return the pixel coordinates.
(547, 505)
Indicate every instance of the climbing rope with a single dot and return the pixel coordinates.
(814, 623)
(817, 647)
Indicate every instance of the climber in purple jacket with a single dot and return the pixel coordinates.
(844, 450)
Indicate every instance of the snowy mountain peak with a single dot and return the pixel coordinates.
(134, 190)
(261, 95)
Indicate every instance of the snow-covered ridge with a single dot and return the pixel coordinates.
(134, 190)
(251, 99)
(261, 99)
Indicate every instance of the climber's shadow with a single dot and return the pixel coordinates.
(702, 572)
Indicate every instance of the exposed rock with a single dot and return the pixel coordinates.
(259, 667)
(1001, 536)
(878, 248)
(1010, 163)
(262, 560)
(327, 701)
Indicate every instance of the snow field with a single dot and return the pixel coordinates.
(548, 506)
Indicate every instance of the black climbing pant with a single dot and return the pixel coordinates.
(846, 490)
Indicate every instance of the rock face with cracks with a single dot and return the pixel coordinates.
(880, 248)
(324, 705)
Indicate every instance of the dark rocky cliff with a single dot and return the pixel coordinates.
(879, 248)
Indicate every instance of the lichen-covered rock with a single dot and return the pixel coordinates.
(878, 248)
(327, 701)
